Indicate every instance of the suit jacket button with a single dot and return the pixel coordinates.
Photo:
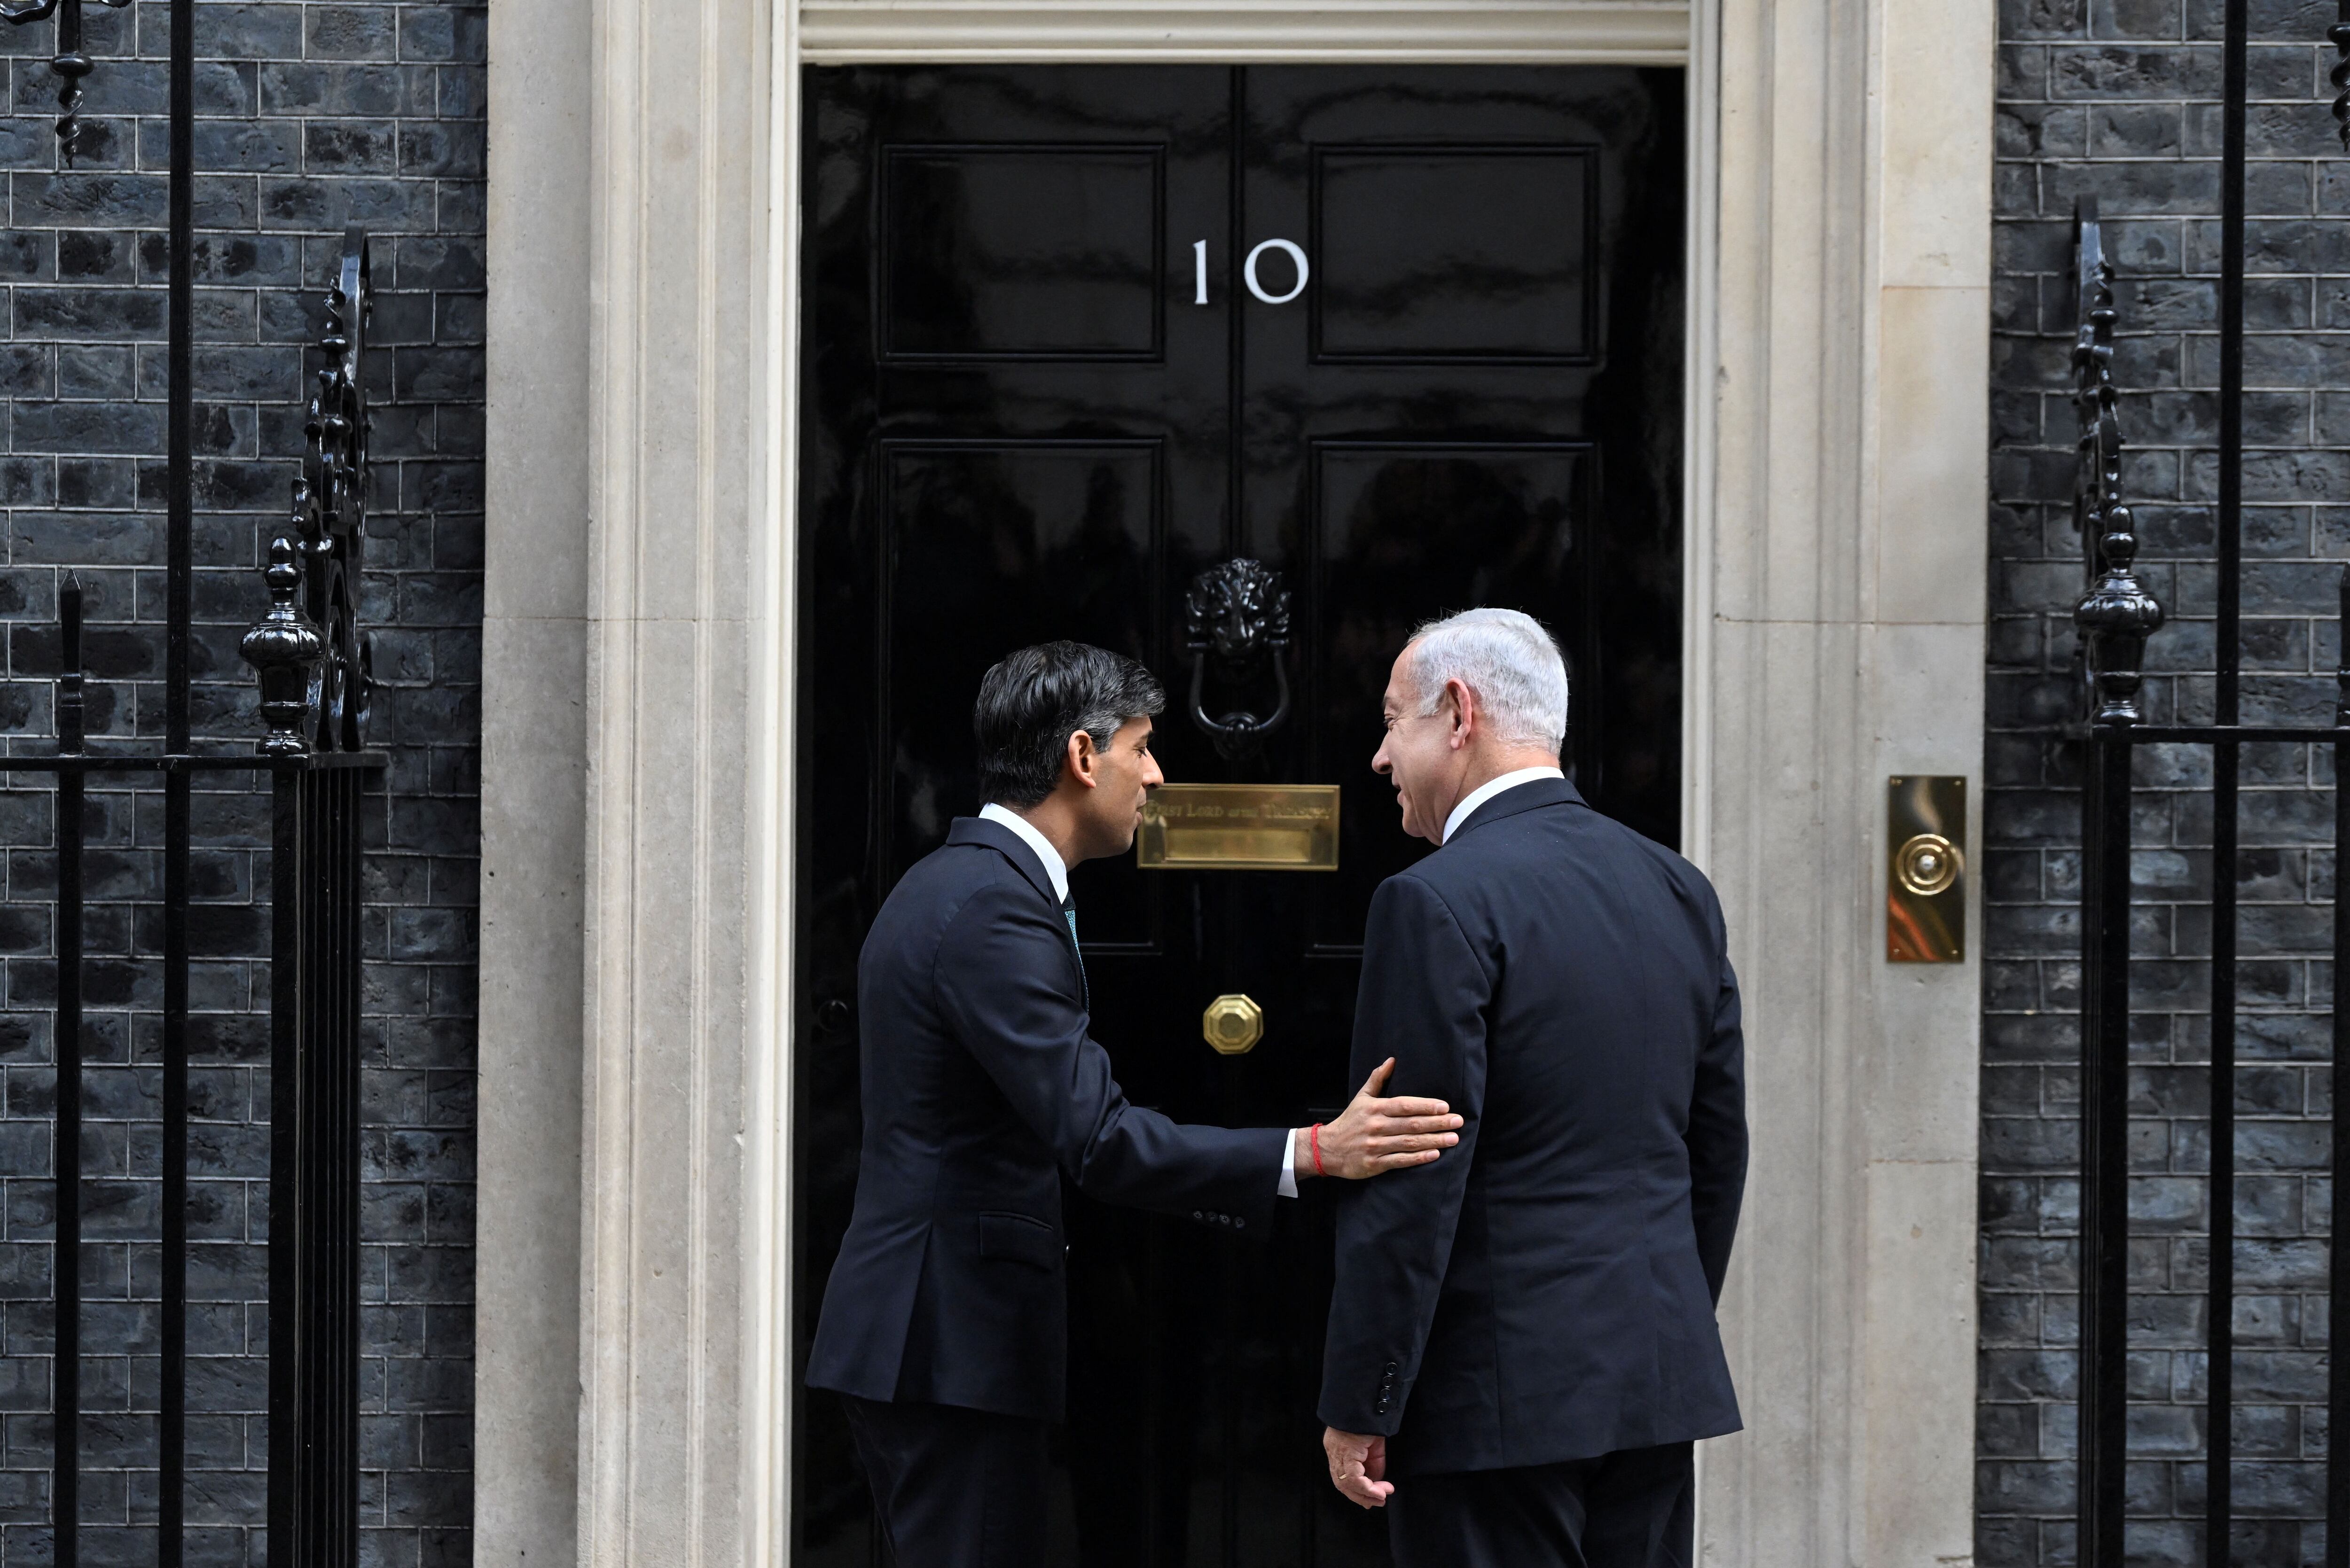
(1239, 1224)
(1197, 1215)
(1381, 1408)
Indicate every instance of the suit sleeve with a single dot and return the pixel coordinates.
(1007, 982)
(1717, 1133)
(1424, 994)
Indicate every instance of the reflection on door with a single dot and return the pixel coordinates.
(1408, 337)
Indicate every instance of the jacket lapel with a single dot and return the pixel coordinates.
(1008, 844)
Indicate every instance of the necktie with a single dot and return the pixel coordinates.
(1069, 913)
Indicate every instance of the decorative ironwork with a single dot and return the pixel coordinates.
(2117, 614)
(314, 666)
(1238, 611)
(69, 63)
(286, 647)
(2115, 617)
(318, 699)
(2342, 658)
(2338, 36)
(72, 713)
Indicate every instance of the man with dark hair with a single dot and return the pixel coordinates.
(943, 1325)
(1029, 698)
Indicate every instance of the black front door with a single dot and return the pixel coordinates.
(1408, 337)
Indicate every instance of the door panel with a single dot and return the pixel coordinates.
(1511, 512)
(1010, 251)
(1493, 264)
(1019, 423)
(985, 540)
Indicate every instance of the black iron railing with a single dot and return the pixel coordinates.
(312, 661)
(2116, 616)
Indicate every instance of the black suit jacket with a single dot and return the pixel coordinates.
(1546, 1291)
(981, 1087)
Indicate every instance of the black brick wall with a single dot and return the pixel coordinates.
(2119, 97)
(311, 115)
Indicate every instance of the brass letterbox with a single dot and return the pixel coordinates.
(1239, 828)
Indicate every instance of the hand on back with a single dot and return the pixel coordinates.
(1374, 1135)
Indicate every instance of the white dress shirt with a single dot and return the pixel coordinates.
(1047, 856)
(1058, 875)
(1488, 790)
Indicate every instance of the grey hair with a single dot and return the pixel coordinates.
(1508, 659)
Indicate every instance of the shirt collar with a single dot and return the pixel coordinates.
(1487, 791)
(1047, 856)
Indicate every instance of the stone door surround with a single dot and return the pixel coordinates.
(633, 1371)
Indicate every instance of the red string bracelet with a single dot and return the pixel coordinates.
(1315, 1138)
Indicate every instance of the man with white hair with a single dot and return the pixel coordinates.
(1522, 1341)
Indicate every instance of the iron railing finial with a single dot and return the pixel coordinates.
(2117, 614)
(325, 542)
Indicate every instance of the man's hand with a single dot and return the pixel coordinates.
(1359, 1467)
(1376, 1135)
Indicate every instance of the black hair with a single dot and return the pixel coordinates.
(1033, 701)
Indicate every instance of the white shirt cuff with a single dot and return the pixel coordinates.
(1288, 1187)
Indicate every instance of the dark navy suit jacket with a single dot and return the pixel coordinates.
(980, 1088)
(1546, 1291)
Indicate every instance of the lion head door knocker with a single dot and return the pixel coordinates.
(1238, 611)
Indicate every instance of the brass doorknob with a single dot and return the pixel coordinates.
(1232, 1025)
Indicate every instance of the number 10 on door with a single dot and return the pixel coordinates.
(1295, 253)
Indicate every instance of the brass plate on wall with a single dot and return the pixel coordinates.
(1239, 828)
(1925, 872)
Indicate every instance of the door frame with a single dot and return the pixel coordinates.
(633, 1331)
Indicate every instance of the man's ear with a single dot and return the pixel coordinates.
(1464, 712)
(1081, 759)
